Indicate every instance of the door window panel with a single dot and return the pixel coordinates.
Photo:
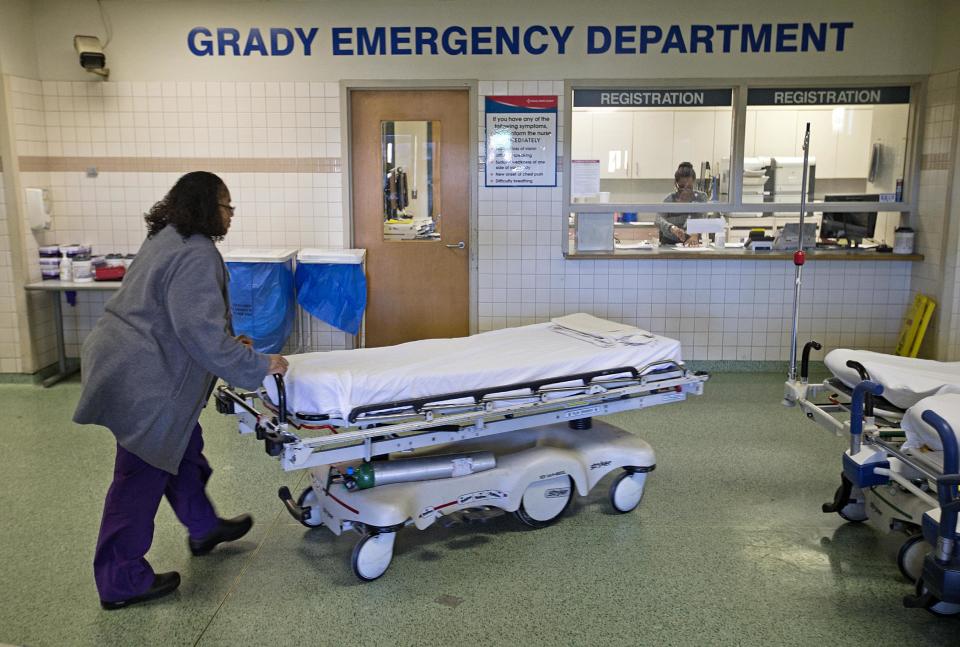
(410, 154)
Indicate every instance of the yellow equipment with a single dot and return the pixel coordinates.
(915, 325)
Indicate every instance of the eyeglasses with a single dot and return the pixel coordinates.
(228, 206)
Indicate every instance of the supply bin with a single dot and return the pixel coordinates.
(332, 286)
(261, 295)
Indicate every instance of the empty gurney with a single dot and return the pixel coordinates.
(438, 429)
(899, 472)
(905, 380)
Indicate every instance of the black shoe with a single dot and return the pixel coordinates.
(163, 584)
(228, 530)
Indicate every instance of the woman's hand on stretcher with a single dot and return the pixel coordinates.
(278, 365)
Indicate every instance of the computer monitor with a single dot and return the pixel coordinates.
(854, 226)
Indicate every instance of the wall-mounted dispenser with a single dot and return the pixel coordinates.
(38, 208)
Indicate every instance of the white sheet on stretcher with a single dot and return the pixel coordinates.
(336, 382)
(905, 380)
(919, 433)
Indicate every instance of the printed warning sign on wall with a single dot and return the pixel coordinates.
(521, 141)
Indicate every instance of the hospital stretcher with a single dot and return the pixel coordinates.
(379, 463)
(901, 470)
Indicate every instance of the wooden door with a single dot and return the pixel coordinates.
(418, 287)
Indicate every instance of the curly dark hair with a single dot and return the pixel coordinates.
(192, 206)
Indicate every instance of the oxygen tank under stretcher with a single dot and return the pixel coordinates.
(427, 468)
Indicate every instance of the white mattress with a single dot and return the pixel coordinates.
(920, 434)
(336, 382)
(905, 380)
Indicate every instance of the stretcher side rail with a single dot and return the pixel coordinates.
(939, 580)
(431, 420)
(864, 431)
(478, 395)
(390, 433)
(368, 443)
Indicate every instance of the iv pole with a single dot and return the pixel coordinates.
(799, 257)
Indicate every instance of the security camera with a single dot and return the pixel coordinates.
(92, 58)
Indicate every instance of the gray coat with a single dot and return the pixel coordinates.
(667, 220)
(149, 363)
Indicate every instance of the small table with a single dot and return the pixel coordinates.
(55, 287)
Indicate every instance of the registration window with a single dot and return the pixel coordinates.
(857, 154)
(636, 145)
(858, 143)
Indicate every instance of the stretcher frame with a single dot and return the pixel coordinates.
(876, 458)
(386, 428)
(872, 423)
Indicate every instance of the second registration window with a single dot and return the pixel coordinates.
(627, 146)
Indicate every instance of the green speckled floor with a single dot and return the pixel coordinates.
(727, 548)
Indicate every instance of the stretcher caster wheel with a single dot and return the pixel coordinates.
(935, 605)
(372, 555)
(626, 491)
(854, 509)
(308, 501)
(544, 501)
(911, 555)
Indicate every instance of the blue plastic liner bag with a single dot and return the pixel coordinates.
(262, 303)
(335, 293)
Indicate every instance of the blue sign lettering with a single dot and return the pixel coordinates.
(275, 48)
(426, 37)
(230, 42)
(306, 39)
(202, 47)
(532, 40)
(228, 37)
(701, 35)
(561, 37)
(255, 42)
(649, 35)
(592, 46)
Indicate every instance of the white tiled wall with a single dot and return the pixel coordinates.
(178, 120)
(181, 119)
(9, 332)
(947, 115)
(729, 310)
(719, 310)
(933, 276)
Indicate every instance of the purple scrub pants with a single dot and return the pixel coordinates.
(126, 531)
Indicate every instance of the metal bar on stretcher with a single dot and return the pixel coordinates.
(481, 419)
(437, 420)
(907, 485)
(821, 414)
(362, 444)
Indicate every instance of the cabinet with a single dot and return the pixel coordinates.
(613, 143)
(839, 137)
(853, 142)
(693, 134)
(823, 140)
(776, 133)
(722, 138)
(750, 135)
(652, 144)
(649, 144)
(581, 139)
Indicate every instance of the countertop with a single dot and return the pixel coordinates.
(739, 254)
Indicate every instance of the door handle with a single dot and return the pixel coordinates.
(460, 245)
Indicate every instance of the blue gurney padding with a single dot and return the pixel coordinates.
(333, 293)
(262, 303)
